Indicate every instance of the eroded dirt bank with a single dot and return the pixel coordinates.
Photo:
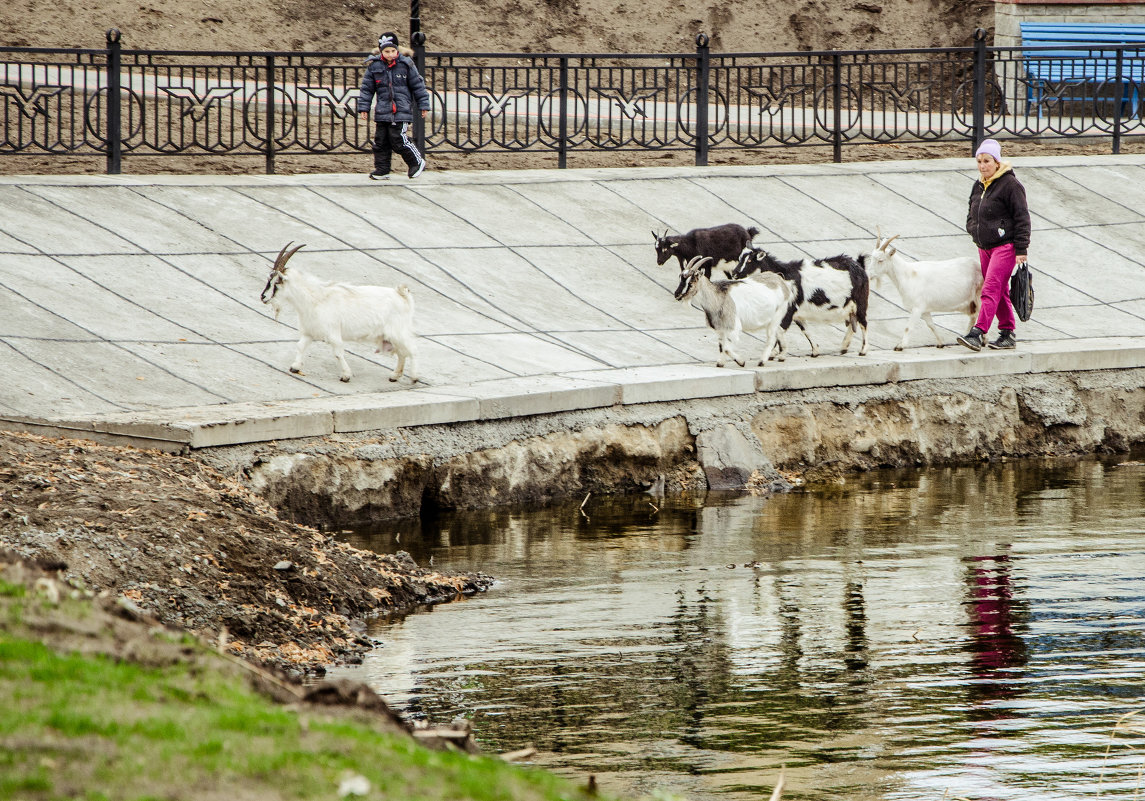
(172, 538)
(762, 441)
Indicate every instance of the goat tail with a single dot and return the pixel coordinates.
(407, 296)
(752, 232)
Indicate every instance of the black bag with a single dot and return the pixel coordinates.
(1022, 291)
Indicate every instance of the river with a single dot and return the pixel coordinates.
(969, 632)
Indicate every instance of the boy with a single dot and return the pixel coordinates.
(394, 80)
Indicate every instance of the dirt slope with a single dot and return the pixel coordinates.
(498, 25)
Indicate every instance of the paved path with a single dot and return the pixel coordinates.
(130, 304)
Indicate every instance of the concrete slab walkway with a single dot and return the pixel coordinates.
(129, 305)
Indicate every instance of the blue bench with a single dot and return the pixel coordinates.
(1064, 74)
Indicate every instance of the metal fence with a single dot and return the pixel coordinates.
(117, 102)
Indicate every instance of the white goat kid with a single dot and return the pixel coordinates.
(734, 306)
(950, 285)
(339, 313)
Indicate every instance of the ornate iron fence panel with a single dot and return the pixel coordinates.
(117, 102)
(514, 102)
(1036, 92)
(51, 101)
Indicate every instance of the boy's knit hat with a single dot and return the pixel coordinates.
(387, 39)
(991, 148)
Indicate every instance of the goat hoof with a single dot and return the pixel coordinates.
(345, 379)
(296, 371)
(393, 378)
(899, 347)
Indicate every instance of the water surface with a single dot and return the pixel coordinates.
(974, 632)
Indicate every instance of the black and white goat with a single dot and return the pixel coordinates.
(734, 306)
(720, 243)
(950, 285)
(338, 313)
(829, 290)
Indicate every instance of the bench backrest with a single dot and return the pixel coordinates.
(1069, 34)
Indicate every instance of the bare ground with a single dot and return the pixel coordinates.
(171, 538)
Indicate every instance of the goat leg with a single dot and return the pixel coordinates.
(340, 355)
(303, 343)
(926, 316)
(397, 373)
(911, 322)
(810, 341)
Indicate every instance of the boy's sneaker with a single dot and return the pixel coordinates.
(1005, 341)
(379, 176)
(416, 169)
(973, 340)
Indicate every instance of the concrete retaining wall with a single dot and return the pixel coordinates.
(764, 438)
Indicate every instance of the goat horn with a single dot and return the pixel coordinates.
(284, 256)
(883, 246)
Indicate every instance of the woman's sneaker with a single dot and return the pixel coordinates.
(973, 340)
(1005, 341)
(416, 169)
(379, 176)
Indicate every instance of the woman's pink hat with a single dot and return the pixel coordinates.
(991, 148)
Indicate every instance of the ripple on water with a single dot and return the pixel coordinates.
(972, 632)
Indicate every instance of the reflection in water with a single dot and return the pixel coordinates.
(995, 642)
(968, 631)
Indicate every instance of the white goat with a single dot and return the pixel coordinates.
(338, 313)
(950, 285)
(734, 306)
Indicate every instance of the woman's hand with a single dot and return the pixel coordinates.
(1020, 259)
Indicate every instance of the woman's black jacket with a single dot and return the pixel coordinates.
(1000, 215)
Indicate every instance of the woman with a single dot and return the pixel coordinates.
(999, 224)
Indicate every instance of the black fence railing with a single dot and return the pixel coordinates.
(119, 103)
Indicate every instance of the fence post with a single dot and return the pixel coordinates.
(837, 100)
(270, 115)
(1117, 93)
(418, 40)
(414, 18)
(703, 58)
(114, 111)
(979, 102)
(563, 145)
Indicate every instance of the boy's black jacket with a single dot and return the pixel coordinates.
(394, 88)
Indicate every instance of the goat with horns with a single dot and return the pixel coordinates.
(338, 313)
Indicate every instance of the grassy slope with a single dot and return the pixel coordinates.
(100, 726)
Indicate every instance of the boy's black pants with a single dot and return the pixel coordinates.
(393, 137)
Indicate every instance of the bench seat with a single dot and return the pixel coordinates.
(1070, 57)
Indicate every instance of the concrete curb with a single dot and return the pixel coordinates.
(243, 423)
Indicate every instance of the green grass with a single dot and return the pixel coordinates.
(90, 727)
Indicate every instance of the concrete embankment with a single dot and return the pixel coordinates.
(761, 441)
(554, 359)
